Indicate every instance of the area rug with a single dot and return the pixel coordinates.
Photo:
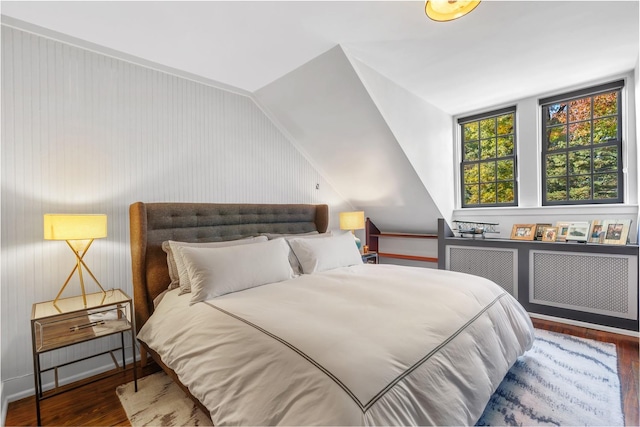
(159, 402)
(562, 380)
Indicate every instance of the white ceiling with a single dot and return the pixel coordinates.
(502, 51)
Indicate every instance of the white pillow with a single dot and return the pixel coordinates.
(218, 271)
(272, 236)
(293, 259)
(183, 277)
(316, 255)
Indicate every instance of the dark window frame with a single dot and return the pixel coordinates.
(464, 162)
(568, 97)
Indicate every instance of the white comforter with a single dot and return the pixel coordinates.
(362, 345)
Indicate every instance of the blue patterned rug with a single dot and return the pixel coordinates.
(562, 380)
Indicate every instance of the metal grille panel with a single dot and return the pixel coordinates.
(602, 284)
(498, 265)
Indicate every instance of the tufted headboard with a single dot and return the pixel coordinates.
(153, 223)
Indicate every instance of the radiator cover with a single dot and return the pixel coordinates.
(498, 265)
(594, 283)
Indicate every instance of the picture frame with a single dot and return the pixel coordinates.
(578, 231)
(540, 229)
(523, 232)
(563, 227)
(616, 231)
(549, 234)
(596, 232)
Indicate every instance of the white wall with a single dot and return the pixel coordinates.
(331, 116)
(84, 132)
(530, 209)
(423, 131)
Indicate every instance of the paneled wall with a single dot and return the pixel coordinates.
(83, 132)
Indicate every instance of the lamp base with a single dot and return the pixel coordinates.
(79, 248)
(358, 243)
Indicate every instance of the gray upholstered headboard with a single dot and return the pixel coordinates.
(153, 223)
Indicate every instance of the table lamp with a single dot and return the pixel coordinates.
(352, 221)
(78, 231)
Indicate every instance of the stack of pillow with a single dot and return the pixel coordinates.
(208, 270)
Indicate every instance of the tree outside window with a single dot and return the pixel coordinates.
(488, 169)
(582, 145)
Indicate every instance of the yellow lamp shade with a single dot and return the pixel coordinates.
(74, 226)
(352, 220)
(448, 10)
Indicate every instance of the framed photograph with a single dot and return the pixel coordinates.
(523, 231)
(549, 234)
(539, 229)
(563, 227)
(596, 232)
(616, 231)
(578, 231)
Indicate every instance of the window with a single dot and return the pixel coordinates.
(582, 146)
(488, 169)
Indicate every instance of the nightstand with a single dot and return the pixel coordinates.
(370, 258)
(68, 322)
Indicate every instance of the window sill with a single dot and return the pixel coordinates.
(609, 211)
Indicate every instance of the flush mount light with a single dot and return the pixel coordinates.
(448, 10)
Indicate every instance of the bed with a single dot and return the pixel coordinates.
(296, 330)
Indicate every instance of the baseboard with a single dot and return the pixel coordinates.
(5, 406)
(634, 334)
(21, 387)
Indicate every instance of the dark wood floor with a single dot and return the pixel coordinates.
(98, 405)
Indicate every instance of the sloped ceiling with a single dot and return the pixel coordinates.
(366, 89)
(335, 122)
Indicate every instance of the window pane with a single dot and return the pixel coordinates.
(489, 137)
(605, 104)
(487, 172)
(488, 193)
(471, 174)
(505, 170)
(471, 195)
(605, 186)
(471, 131)
(605, 159)
(556, 137)
(505, 124)
(505, 146)
(581, 147)
(580, 188)
(579, 134)
(488, 128)
(556, 164)
(471, 150)
(580, 162)
(488, 148)
(557, 114)
(556, 189)
(505, 192)
(605, 129)
(580, 109)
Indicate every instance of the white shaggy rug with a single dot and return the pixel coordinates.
(562, 380)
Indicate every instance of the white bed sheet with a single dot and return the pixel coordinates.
(361, 345)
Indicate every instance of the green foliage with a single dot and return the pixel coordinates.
(489, 167)
(605, 129)
(588, 173)
(605, 159)
(579, 162)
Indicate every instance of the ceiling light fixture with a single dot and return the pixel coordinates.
(448, 10)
